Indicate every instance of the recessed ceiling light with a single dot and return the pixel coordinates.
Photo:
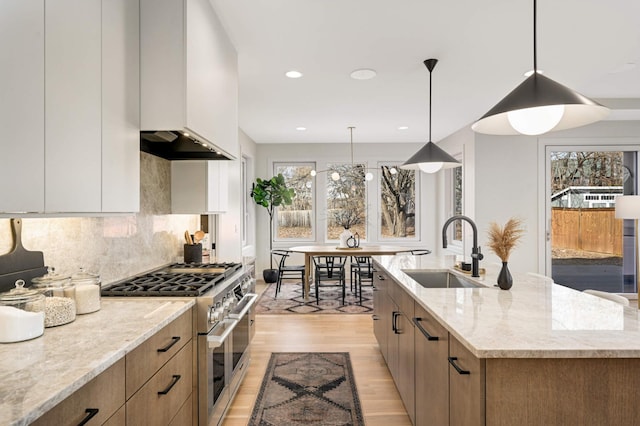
(530, 72)
(293, 74)
(301, 128)
(403, 128)
(363, 74)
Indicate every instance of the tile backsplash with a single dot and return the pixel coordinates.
(115, 247)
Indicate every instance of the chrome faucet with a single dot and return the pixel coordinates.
(476, 254)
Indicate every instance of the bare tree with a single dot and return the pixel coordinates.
(585, 169)
(398, 197)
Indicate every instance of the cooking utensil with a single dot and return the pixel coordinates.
(19, 263)
(198, 236)
(187, 237)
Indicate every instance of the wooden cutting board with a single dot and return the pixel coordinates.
(20, 263)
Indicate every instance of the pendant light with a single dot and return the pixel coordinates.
(539, 105)
(430, 158)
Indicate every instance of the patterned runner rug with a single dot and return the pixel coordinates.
(314, 388)
(290, 301)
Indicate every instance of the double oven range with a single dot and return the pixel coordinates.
(224, 323)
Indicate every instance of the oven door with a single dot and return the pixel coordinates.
(213, 363)
(241, 340)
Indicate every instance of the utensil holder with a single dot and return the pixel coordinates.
(193, 253)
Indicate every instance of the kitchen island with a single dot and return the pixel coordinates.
(539, 353)
(38, 374)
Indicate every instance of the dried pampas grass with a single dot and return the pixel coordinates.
(503, 240)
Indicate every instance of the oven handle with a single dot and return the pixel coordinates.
(244, 304)
(215, 340)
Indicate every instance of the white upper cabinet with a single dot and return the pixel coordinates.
(199, 187)
(120, 106)
(189, 72)
(22, 106)
(71, 110)
(73, 120)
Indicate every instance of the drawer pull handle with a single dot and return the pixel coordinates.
(174, 340)
(452, 361)
(91, 413)
(375, 317)
(417, 321)
(380, 277)
(394, 323)
(175, 379)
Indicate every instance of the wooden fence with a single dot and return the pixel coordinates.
(594, 229)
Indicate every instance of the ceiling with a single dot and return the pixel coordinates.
(483, 46)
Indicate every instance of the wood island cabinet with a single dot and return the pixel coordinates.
(151, 385)
(395, 333)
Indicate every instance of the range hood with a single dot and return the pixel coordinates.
(180, 145)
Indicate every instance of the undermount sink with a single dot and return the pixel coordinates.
(439, 279)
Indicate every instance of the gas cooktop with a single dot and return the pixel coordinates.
(179, 279)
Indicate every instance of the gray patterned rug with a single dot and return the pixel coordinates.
(290, 301)
(313, 388)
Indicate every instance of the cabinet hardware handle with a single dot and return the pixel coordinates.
(175, 379)
(380, 277)
(91, 413)
(394, 324)
(417, 321)
(452, 361)
(174, 340)
(375, 317)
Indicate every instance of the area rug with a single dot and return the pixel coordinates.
(313, 388)
(290, 301)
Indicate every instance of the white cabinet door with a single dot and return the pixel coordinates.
(212, 78)
(73, 106)
(22, 106)
(120, 106)
(217, 186)
(199, 186)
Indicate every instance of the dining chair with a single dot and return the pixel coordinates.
(353, 270)
(285, 271)
(331, 271)
(363, 274)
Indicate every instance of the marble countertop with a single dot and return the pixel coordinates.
(534, 319)
(37, 374)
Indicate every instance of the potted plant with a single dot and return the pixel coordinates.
(271, 193)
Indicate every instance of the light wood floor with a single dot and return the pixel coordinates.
(381, 404)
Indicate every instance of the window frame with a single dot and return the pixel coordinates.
(455, 246)
(417, 215)
(314, 205)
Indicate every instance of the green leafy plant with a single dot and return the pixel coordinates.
(271, 193)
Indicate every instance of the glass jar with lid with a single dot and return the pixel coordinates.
(22, 313)
(87, 290)
(60, 304)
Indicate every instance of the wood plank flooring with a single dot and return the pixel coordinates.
(381, 404)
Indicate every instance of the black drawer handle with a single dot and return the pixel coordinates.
(381, 278)
(452, 361)
(394, 323)
(417, 321)
(174, 340)
(375, 317)
(91, 413)
(175, 379)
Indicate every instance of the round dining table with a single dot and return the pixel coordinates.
(333, 250)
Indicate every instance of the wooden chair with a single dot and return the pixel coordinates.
(363, 273)
(285, 271)
(331, 271)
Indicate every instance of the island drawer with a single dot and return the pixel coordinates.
(161, 398)
(98, 399)
(150, 356)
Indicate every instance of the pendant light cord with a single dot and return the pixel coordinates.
(351, 132)
(535, 36)
(430, 72)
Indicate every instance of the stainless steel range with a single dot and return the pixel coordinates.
(225, 321)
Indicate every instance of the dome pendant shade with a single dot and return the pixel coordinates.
(538, 91)
(430, 158)
(430, 153)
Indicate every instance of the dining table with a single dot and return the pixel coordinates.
(333, 250)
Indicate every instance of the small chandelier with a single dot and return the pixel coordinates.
(352, 172)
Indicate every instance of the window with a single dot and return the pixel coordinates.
(397, 202)
(454, 202)
(346, 199)
(245, 197)
(295, 221)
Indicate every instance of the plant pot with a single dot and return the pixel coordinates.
(270, 275)
(505, 281)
